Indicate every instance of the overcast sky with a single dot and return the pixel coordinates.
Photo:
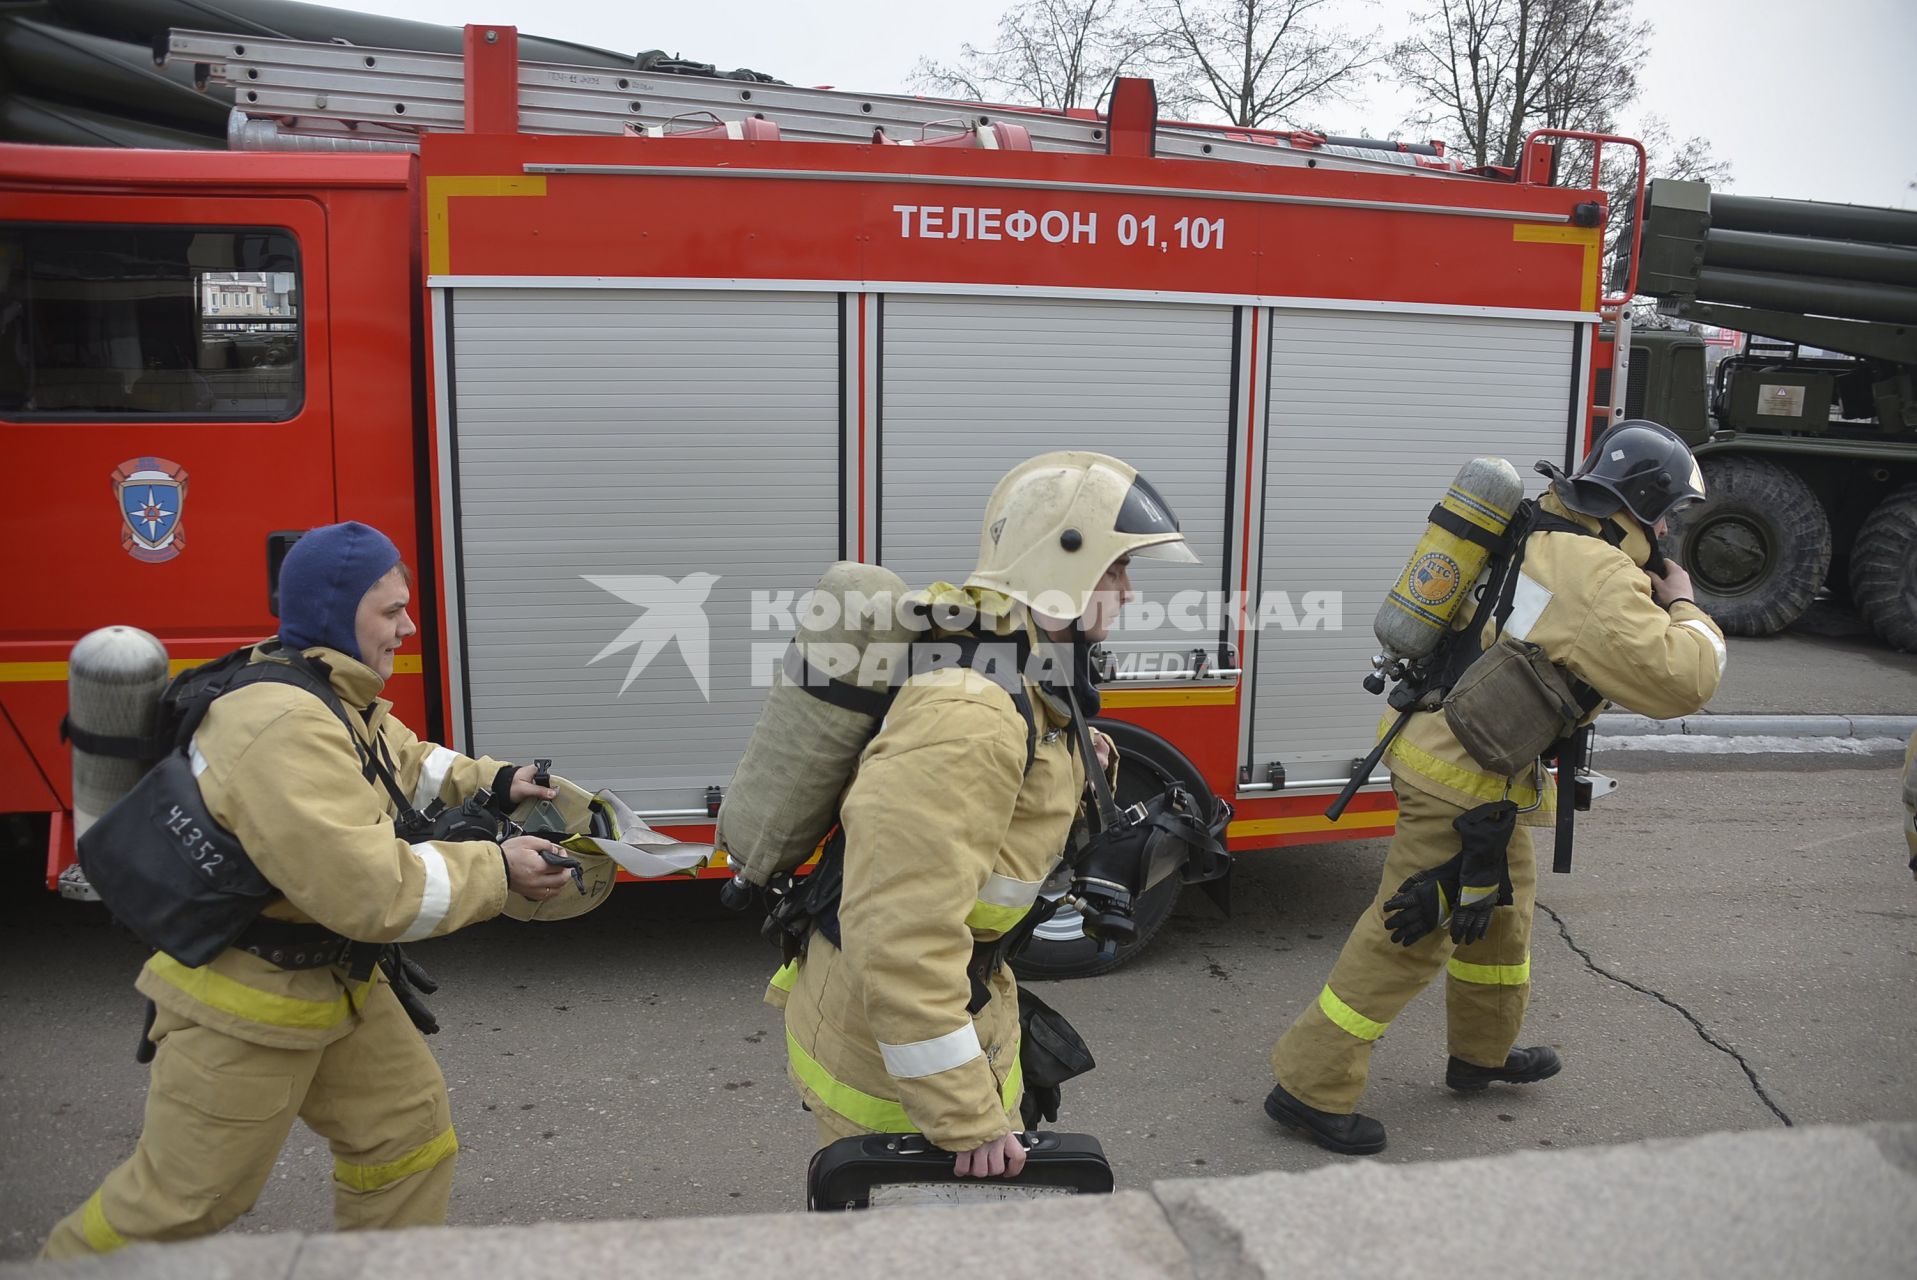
(1808, 98)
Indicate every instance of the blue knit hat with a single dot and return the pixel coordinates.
(322, 580)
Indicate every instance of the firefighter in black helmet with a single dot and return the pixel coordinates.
(1618, 623)
(1639, 466)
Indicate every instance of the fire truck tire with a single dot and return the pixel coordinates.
(1059, 948)
(1883, 569)
(1757, 548)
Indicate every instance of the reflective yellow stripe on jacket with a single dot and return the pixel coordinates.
(1472, 782)
(1002, 903)
(217, 991)
(881, 1115)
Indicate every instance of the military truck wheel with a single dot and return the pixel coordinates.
(1059, 947)
(1757, 548)
(1883, 569)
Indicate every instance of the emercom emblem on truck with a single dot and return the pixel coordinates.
(152, 496)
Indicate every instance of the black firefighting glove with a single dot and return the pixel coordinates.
(1423, 902)
(1484, 881)
(1039, 1103)
(409, 981)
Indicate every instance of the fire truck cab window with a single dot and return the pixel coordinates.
(107, 323)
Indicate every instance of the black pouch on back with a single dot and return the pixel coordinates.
(168, 871)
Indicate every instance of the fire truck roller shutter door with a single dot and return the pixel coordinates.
(1372, 415)
(1150, 383)
(671, 463)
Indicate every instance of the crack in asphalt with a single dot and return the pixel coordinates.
(1703, 1032)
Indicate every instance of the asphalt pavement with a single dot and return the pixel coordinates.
(1737, 945)
(1827, 663)
(1734, 951)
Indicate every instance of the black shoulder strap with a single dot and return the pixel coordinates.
(311, 675)
(963, 651)
(1542, 521)
(1105, 812)
(1464, 645)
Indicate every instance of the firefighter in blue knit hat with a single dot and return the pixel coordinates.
(298, 1019)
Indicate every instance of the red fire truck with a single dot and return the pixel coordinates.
(603, 351)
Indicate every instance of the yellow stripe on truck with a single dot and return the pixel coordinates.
(404, 664)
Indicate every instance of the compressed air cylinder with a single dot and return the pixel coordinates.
(1437, 579)
(825, 704)
(114, 679)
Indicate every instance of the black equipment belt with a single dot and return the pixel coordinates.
(285, 944)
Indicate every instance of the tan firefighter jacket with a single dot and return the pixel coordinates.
(948, 838)
(277, 769)
(1589, 606)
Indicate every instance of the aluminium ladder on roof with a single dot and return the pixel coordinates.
(331, 90)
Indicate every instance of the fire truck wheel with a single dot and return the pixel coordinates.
(1757, 548)
(1883, 569)
(1059, 947)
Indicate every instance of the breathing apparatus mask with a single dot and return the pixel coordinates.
(1120, 853)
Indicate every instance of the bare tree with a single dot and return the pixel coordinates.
(1050, 53)
(1494, 69)
(1253, 61)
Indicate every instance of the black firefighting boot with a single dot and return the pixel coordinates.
(1524, 1066)
(1352, 1135)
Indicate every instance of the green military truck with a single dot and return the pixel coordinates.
(1808, 436)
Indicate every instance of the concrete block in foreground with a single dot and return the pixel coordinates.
(1771, 1203)
(1786, 1204)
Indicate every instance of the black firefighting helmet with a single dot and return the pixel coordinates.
(1637, 466)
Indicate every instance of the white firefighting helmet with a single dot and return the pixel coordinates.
(570, 810)
(1057, 522)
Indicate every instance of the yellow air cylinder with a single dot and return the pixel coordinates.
(825, 704)
(1438, 578)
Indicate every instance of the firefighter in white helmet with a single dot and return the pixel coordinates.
(1589, 592)
(294, 1021)
(958, 811)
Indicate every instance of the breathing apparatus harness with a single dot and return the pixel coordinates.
(169, 871)
(800, 907)
(1425, 685)
(1108, 867)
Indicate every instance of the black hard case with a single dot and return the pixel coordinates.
(843, 1174)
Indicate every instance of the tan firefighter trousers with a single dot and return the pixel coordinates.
(218, 1110)
(1323, 1059)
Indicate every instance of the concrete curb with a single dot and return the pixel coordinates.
(1785, 1203)
(1617, 724)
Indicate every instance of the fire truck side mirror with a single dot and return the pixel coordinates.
(277, 545)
